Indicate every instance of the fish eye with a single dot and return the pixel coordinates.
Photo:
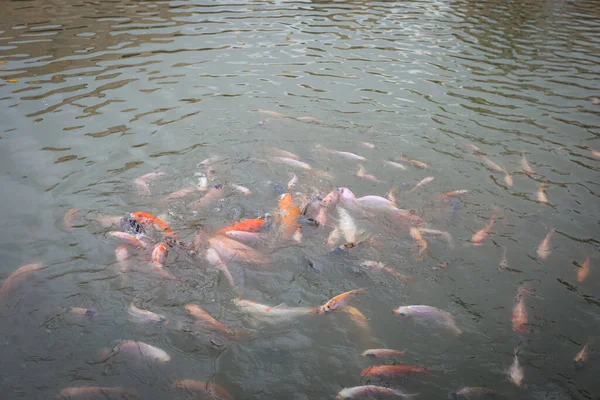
(402, 314)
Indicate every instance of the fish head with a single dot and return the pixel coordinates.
(331, 199)
(401, 311)
(346, 195)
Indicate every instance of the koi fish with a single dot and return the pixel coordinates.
(108, 220)
(308, 118)
(203, 389)
(212, 256)
(242, 189)
(181, 193)
(345, 154)
(390, 371)
(492, 164)
(416, 163)
(390, 195)
(246, 225)
(383, 353)
(136, 349)
(159, 256)
(95, 392)
(478, 238)
(543, 250)
(519, 315)
(145, 218)
(526, 167)
(378, 266)
(339, 301)
(581, 357)
(210, 160)
(446, 235)
(421, 243)
(439, 316)
(465, 393)
(144, 316)
(396, 165)
(214, 194)
(231, 249)
(541, 194)
(367, 145)
(515, 372)
(128, 238)
(68, 218)
(507, 178)
(371, 392)
(82, 312)
(584, 270)
(288, 215)
(359, 319)
(17, 277)
(347, 226)
(273, 114)
(454, 193)
(292, 183)
(363, 174)
(292, 162)
(424, 181)
(270, 314)
(142, 182)
(282, 153)
(205, 317)
(251, 237)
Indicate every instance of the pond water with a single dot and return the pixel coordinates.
(96, 94)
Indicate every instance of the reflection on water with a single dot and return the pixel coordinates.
(497, 98)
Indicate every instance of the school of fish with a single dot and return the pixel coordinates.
(147, 243)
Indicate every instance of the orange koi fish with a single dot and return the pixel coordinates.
(338, 301)
(480, 236)
(584, 270)
(246, 225)
(390, 371)
(145, 218)
(288, 215)
(205, 317)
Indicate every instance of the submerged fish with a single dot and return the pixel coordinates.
(515, 372)
(519, 315)
(446, 235)
(543, 250)
(581, 357)
(363, 174)
(378, 266)
(347, 226)
(204, 390)
(246, 225)
(478, 238)
(82, 312)
(383, 353)
(242, 189)
(416, 163)
(345, 154)
(136, 349)
(282, 153)
(144, 316)
(367, 145)
(266, 313)
(17, 278)
(308, 118)
(95, 392)
(396, 165)
(541, 194)
(181, 193)
(359, 319)
(214, 194)
(525, 166)
(212, 256)
(390, 371)
(159, 256)
(68, 218)
(419, 311)
(503, 262)
(465, 393)
(206, 319)
(454, 193)
(584, 270)
(424, 181)
(507, 178)
(231, 249)
(339, 301)
(142, 182)
(371, 392)
(292, 162)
